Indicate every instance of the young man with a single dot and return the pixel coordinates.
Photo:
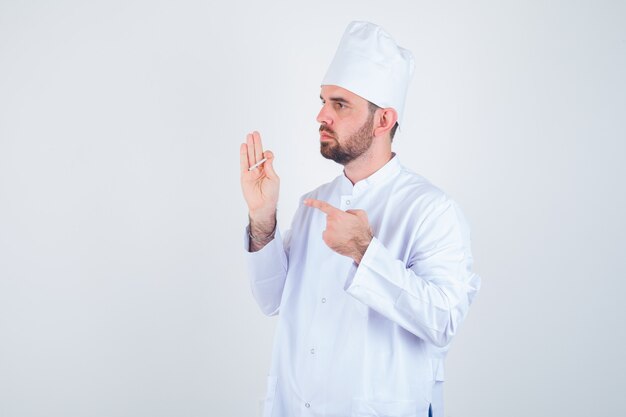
(374, 277)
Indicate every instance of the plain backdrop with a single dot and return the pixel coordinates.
(122, 280)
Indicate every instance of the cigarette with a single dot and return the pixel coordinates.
(255, 166)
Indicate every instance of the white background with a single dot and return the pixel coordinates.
(122, 283)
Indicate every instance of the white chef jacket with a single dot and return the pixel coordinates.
(367, 339)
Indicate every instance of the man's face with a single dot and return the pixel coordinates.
(346, 125)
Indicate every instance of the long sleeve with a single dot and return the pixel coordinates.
(267, 270)
(430, 294)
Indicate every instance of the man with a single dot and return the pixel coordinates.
(374, 277)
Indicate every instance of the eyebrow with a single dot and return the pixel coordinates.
(336, 99)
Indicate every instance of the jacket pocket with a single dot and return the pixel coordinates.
(408, 408)
(270, 395)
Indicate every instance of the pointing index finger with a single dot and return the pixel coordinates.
(321, 205)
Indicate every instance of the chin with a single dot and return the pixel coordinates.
(326, 151)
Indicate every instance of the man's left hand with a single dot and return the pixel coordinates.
(347, 232)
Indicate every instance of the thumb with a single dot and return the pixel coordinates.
(361, 214)
(269, 164)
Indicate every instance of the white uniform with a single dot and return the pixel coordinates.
(367, 339)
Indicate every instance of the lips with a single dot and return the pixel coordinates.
(325, 134)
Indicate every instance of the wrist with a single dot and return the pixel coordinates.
(262, 227)
(261, 232)
(361, 248)
(266, 215)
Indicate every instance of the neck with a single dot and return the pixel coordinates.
(366, 164)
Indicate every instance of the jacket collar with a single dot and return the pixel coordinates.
(389, 170)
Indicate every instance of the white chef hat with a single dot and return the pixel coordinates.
(369, 63)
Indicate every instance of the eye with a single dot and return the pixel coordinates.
(339, 105)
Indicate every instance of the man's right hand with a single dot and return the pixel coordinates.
(260, 186)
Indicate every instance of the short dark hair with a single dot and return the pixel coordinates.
(373, 107)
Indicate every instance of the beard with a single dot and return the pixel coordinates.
(353, 147)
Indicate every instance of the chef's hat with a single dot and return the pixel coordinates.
(369, 63)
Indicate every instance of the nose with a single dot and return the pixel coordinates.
(324, 116)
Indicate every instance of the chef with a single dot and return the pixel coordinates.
(373, 279)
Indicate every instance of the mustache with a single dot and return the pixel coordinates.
(326, 129)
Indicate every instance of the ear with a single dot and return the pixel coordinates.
(384, 120)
